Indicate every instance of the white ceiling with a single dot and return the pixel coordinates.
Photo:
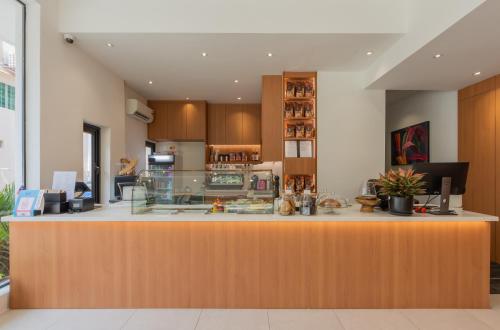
(175, 65)
(470, 45)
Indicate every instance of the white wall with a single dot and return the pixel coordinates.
(351, 133)
(74, 89)
(441, 109)
(136, 133)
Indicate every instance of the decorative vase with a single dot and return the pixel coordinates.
(401, 205)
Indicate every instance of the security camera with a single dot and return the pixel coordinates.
(69, 38)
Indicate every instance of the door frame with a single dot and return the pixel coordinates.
(95, 131)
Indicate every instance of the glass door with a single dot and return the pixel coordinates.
(91, 159)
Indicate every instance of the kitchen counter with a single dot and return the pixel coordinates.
(122, 212)
(109, 258)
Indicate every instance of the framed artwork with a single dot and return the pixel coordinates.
(410, 145)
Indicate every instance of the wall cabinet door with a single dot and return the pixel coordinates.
(234, 124)
(157, 130)
(176, 125)
(272, 120)
(251, 124)
(216, 124)
(196, 121)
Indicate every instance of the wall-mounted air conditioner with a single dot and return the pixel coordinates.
(139, 111)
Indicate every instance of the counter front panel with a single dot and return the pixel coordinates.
(249, 264)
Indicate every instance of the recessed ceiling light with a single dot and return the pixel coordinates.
(187, 98)
(150, 82)
(369, 53)
(270, 54)
(109, 44)
(477, 73)
(437, 56)
(204, 54)
(238, 98)
(236, 81)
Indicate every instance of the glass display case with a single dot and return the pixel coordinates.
(218, 191)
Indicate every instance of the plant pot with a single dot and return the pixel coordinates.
(401, 205)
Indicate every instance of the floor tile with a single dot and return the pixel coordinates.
(29, 319)
(374, 319)
(92, 319)
(303, 319)
(490, 317)
(438, 319)
(164, 319)
(233, 319)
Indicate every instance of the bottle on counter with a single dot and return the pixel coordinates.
(276, 186)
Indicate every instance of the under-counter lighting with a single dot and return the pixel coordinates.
(109, 44)
(437, 56)
(269, 54)
(369, 53)
(204, 54)
(477, 73)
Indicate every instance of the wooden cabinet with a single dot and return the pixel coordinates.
(216, 124)
(196, 121)
(251, 132)
(176, 125)
(157, 130)
(178, 121)
(479, 144)
(272, 123)
(234, 124)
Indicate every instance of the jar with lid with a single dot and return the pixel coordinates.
(307, 204)
(287, 205)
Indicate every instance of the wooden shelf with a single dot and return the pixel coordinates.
(308, 98)
(299, 118)
(300, 139)
(253, 162)
(300, 166)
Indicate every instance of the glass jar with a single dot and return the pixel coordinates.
(287, 204)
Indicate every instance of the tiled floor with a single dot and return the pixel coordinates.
(216, 319)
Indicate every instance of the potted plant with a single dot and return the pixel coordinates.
(401, 186)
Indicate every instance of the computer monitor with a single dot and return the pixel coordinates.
(443, 179)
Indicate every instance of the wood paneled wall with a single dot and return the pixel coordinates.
(479, 144)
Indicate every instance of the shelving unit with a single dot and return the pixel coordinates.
(299, 94)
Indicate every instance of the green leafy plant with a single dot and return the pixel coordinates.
(401, 183)
(7, 200)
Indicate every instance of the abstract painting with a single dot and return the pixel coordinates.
(410, 145)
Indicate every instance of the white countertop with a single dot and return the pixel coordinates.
(120, 212)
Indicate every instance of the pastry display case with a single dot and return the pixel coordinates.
(216, 191)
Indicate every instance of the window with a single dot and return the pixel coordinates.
(12, 129)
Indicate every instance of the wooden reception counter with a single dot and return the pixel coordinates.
(111, 259)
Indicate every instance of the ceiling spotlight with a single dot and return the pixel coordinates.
(369, 53)
(270, 54)
(150, 82)
(204, 54)
(236, 81)
(477, 73)
(238, 98)
(109, 44)
(437, 56)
